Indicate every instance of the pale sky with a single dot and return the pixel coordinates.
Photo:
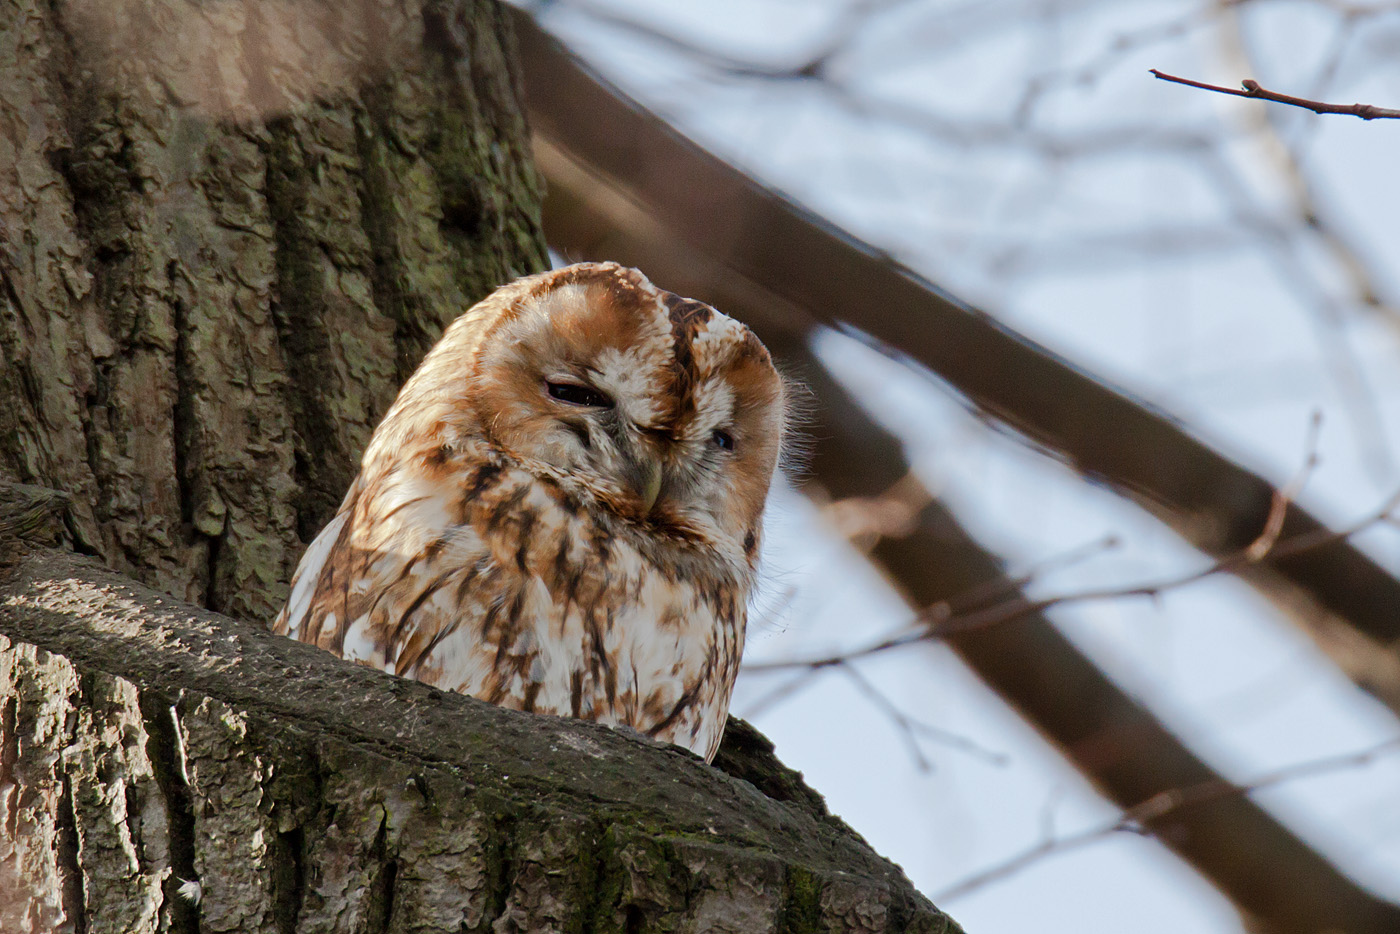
(1144, 264)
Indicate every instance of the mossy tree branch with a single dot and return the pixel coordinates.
(147, 746)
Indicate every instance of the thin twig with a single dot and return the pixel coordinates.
(777, 695)
(1250, 88)
(911, 729)
(1278, 508)
(940, 622)
(1140, 818)
(1019, 580)
(915, 629)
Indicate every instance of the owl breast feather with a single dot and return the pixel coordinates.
(504, 587)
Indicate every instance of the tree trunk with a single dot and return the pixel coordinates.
(228, 231)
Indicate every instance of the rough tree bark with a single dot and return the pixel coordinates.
(148, 746)
(228, 231)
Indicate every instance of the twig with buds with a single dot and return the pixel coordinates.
(1250, 88)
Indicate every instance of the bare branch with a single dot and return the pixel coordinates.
(444, 761)
(942, 621)
(782, 692)
(595, 148)
(1139, 819)
(911, 729)
(1260, 548)
(607, 150)
(1252, 89)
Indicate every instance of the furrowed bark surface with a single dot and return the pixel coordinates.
(228, 231)
(146, 744)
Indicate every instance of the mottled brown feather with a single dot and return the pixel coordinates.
(504, 543)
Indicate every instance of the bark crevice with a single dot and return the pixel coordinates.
(288, 874)
(500, 862)
(9, 756)
(183, 422)
(299, 312)
(374, 137)
(379, 898)
(69, 858)
(163, 749)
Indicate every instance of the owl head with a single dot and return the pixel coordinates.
(658, 410)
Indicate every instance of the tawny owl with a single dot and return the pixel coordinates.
(562, 510)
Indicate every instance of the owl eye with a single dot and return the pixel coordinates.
(723, 439)
(574, 394)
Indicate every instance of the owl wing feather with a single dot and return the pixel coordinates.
(307, 579)
(363, 589)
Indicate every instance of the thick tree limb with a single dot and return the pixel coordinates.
(1118, 744)
(149, 744)
(1140, 818)
(1341, 597)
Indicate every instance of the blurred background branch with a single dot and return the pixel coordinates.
(624, 183)
(591, 133)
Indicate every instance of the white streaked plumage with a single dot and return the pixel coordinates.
(561, 511)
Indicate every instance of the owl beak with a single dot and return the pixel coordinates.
(645, 467)
(648, 483)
